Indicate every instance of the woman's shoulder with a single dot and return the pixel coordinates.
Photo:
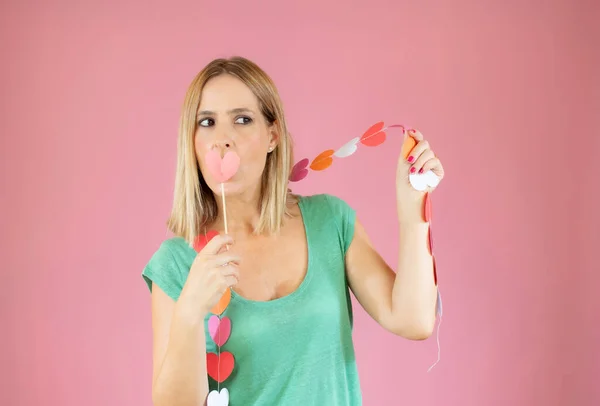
(168, 266)
(325, 211)
(325, 202)
(171, 253)
(171, 246)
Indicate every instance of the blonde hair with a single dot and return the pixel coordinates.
(194, 205)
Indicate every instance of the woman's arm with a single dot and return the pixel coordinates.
(179, 353)
(402, 302)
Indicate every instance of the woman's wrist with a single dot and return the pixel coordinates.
(411, 212)
(187, 313)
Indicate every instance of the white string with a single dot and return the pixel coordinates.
(438, 331)
(219, 357)
(438, 344)
(219, 316)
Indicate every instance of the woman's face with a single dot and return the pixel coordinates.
(229, 118)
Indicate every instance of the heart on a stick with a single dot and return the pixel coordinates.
(219, 329)
(218, 398)
(219, 367)
(222, 169)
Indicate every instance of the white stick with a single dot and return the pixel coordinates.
(224, 207)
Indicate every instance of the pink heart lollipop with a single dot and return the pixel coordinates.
(222, 169)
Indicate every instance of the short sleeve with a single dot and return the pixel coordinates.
(164, 271)
(345, 219)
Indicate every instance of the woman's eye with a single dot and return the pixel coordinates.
(206, 122)
(243, 120)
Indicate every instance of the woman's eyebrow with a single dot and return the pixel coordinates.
(237, 110)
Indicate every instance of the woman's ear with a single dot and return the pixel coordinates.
(273, 136)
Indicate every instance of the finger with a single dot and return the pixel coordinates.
(216, 244)
(417, 151)
(230, 270)
(434, 165)
(416, 134)
(417, 167)
(231, 281)
(220, 260)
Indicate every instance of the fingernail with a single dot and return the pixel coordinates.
(411, 158)
(413, 169)
(421, 170)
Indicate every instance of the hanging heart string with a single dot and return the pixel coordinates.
(372, 137)
(220, 365)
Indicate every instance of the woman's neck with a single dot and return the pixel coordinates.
(243, 213)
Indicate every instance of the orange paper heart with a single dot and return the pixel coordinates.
(322, 161)
(219, 367)
(408, 145)
(223, 303)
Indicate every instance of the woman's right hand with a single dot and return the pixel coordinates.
(214, 270)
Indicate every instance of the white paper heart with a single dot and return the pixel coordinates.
(420, 181)
(347, 149)
(218, 398)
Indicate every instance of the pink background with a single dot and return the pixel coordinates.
(508, 93)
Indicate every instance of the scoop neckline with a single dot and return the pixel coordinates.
(305, 281)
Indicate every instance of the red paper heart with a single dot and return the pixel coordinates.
(430, 242)
(201, 240)
(219, 367)
(374, 136)
(427, 208)
(434, 272)
(299, 171)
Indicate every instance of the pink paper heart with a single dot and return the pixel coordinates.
(219, 329)
(222, 169)
(299, 170)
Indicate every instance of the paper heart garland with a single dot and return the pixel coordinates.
(372, 137)
(222, 169)
(218, 398)
(219, 329)
(219, 366)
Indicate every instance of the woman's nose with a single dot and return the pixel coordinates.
(222, 144)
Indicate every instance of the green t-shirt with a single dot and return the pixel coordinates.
(297, 349)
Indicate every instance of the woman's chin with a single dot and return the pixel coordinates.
(230, 189)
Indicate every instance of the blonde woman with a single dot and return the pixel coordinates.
(291, 263)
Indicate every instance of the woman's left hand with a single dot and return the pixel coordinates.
(420, 160)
